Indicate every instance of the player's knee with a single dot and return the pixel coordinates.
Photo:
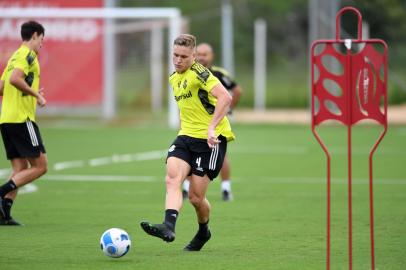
(172, 182)
(195, 199)
(42, 168)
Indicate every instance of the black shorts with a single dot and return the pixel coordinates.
(22, 140)
(202, 159)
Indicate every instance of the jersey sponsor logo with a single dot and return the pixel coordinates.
(185, 84)
(183, 96)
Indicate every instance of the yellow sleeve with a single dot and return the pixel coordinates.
(3, 76)
(209, 84)
(206, 79)
(22, 62)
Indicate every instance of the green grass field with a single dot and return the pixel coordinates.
(277, 220)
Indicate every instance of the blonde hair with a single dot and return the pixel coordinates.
(185, 40)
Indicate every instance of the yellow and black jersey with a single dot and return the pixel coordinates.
(191, 90)
(18, 106)
(225, 78)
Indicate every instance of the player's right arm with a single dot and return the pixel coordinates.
(17, 80)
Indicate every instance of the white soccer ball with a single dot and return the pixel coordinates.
(115, 242)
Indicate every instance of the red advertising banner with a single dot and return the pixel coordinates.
(71, 56)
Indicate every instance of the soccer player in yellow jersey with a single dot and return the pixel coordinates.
(21, 136)
(199, 149)
(205, 56)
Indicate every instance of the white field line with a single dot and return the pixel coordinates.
(116, 158)
(98, 178)
(28, 188)
(100, 161)
(270, 150)
(5, 172)
(68, 165)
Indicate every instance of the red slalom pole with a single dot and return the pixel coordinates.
(371, 196)
(349, 198)
(328, 244)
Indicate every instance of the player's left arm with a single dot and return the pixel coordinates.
(237, 91)
(223, 102)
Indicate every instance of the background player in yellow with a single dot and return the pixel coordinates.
(21, 136)
(199, 149)
(205, 56)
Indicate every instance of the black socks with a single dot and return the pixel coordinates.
(7, 203)
(203, 230)
(7, 187)
(170, 218)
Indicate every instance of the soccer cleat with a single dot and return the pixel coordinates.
(227, 196)
(158, 230)
(9, 222)
(198, 242)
